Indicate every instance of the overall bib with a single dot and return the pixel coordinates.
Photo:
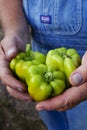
(57, 23)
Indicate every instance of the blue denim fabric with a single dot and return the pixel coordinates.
(57, 23)
(54, 120)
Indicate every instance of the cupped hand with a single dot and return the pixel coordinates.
(72, 96)
(9, 47)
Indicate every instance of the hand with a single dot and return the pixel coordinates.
(72, 96)
(9, 48)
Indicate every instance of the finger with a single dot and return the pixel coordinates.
(50, 104)
(79, 76)
(6, 76)
(19, 95)
(67, 100)
(11, 81)
(11, 46)
(8, 79)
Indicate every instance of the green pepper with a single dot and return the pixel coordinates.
(44, 82)
(65, 60)
(24, 60)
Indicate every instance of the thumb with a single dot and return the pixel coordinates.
(11, 53)
(79, 76)
(11, 46)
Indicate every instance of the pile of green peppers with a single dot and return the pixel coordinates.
(47, 75)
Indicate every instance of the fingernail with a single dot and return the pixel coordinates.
(39, 108)
(11, 51)
(19, 89)
(77, 78)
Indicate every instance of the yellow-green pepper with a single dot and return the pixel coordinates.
(44, 82)
(24, 60)
(66, 60)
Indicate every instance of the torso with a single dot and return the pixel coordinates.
(57, 23)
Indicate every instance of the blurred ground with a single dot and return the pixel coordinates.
(15, 114)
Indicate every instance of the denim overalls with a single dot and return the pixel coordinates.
(57, 23)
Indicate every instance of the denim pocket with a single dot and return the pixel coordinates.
(66, 18)
(63, 17)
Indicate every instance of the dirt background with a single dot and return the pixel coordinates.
(15, 114)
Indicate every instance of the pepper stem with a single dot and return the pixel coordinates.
(28, 49)
(48, 77)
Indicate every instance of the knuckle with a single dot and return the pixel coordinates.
(68, 103)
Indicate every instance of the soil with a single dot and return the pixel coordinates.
(15, 114)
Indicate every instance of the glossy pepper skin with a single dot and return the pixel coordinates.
(44, 82)
(65, 60)
(24, 60)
